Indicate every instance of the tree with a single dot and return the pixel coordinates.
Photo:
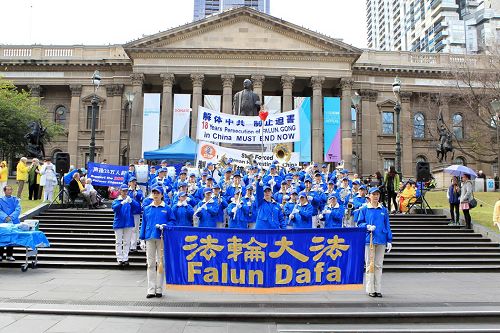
(17, 110)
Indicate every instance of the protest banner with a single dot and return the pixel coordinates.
(264, 260)
(226, 128)
(208, 152)
(106, 174)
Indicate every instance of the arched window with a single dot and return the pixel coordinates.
(460, 161)
(458, 126)
(60, 115)
(419, 126)
(421, 158)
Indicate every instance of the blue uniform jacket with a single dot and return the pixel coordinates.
(277, 182)
(183, 215)
(152, 216)
(269, 214)
(124, 217)
(192, 201)
(287, 210)
(249, 210)
(138, 196)
(335, 217)
(238, 220)
(208, 217)
(317, 200)
(303, 219)
(10, 206)
(379, 217)
(127, 176)
(222, 206)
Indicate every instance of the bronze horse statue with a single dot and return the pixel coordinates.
(35, 138)
(445, 145)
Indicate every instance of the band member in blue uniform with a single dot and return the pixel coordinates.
(183, 212)
(155, 213)
(301, 216)
(249, 207)
(270, 214)
(207, 210)
(135, 192)
(237, 219)
(272, 180)
(333, 213)
(289, 206)
(375, 218)
(222, 203)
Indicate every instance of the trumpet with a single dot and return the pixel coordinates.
(347, 220)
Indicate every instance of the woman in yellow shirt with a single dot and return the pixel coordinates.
(21, 175)
(408, 196)
(4, 176)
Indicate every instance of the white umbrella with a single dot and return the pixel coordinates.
(459, 170)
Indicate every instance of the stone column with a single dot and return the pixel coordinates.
(346, 126)
(287, 85)
(408, 168)
(111, 121)
(258, 83)
(35, 90)
(368, 152)
(317, 119)
(136, 118)
(227, 93)
(167, 109)
(197, 80)
(74, 123)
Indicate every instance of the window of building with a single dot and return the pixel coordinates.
(388, 162)
(460, 161)
(125, 117)
(60, 114)
(353, 120)
(421, 158)
(89, 117)
(388, 123)
(418, 126)
(458, 126)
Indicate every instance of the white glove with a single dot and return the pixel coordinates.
(142, 245)
(291, 216)
(184, 203)
(295, 211)
(249, 204)
(234, 210)
(309, 198)
(179, 204)
(188, 199)
(204, 207)
(370, 227)
(388, 247)
(320, 216)
(286, 197)
(129, 199)
(261, 183)
(328, 211)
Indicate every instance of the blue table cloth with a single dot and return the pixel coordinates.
(10, 235)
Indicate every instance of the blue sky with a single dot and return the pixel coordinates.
(97, 22)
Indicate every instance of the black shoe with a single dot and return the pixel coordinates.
(158, 295)
(372, 294)
(125, 263)
(150, 295)
(378, 294)
(120, 264)
(133, 250)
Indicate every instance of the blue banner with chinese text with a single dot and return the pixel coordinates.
(106, 174)
(264, 258)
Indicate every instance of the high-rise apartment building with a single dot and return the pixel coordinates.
(432, 25)
(204, 8)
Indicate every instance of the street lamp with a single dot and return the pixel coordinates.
(356, 99)
(396, 89)
(130, 99)
(96, 81)
(495, 105)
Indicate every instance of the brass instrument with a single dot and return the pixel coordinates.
(347, 220)
(281, 153)
(222, 163)
(192, 187)
(340, 165)
(344, 193)
(249, 157)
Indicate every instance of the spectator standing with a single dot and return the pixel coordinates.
(465, 198)
(48, 179)
(453, 196)
(4, 176)
(21, 175)
(392, 182)
(379, 182)
(10, 209)
(34, 179)
(497, 182)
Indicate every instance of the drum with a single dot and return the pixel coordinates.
(142, 174)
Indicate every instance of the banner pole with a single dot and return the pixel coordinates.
(262, 143)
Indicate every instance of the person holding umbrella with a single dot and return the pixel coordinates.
(465, 198)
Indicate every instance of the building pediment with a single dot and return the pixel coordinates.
(241, 29)
(386, 103)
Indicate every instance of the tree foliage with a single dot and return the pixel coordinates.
(17, 110)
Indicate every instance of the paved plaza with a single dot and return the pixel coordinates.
(73, 300)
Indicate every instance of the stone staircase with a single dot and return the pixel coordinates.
(85, 239)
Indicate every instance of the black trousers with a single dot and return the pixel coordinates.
(10, 251)
(468, 223)
(33, 191)
(391, 196)
(455, 212)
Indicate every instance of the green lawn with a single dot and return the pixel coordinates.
(482, 214)
(25, 203)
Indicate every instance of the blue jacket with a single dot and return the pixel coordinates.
(208, 217)
(10, 206)
(278, 197)
(192, 201)
(238, 220)
(317, 200)
(303, 219)
(453, 197)
(287, 210)
(127, 176)
(249, 210)
(379, 217)
(139, 196)
(269, 214)
(183, 215)
(277, 182)
(152, 216)
(334, 218)
(165, 182)
(124, 217)
(222, 206)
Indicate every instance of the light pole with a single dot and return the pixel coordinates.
(396, 89)
(96, 81)
(495, 104)
(130, 99)
(356, 99)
